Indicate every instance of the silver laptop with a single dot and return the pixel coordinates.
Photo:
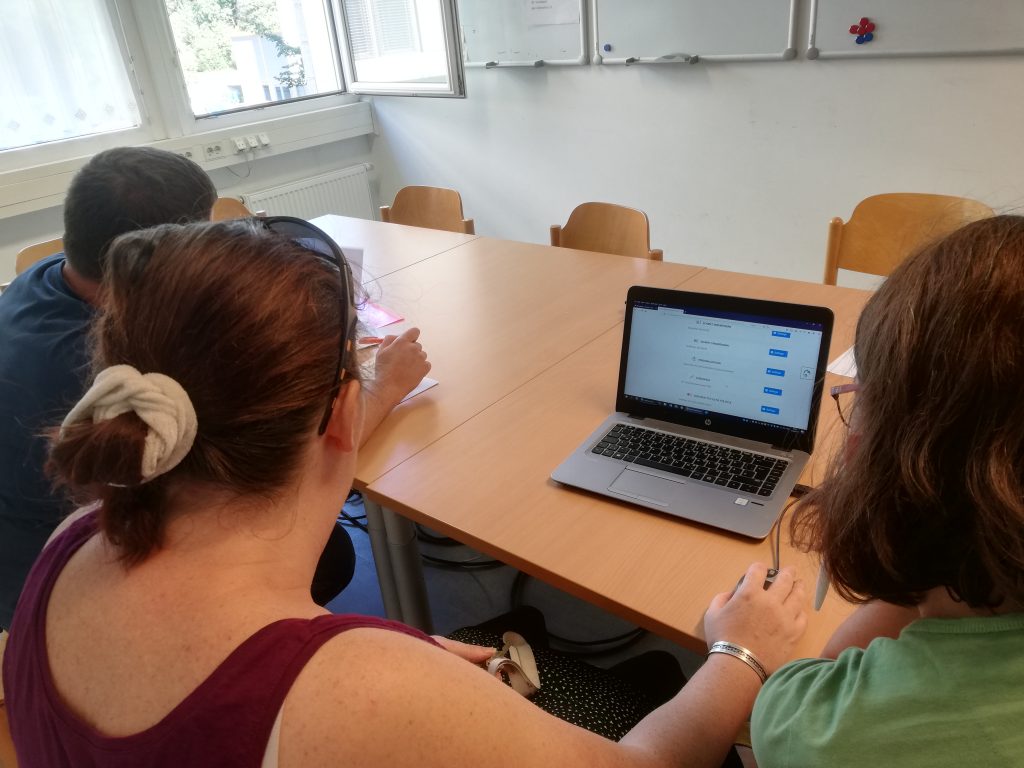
(717, 405)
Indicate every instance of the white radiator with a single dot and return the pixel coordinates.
(345, 192)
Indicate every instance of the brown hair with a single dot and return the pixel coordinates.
(930, 489)
(250, 324)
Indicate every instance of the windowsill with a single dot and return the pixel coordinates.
(44, 186)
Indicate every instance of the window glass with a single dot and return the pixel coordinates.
(397, 41)
(64, 73)
(238, 54)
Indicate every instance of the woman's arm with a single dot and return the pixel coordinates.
(401, 364)
(374, 697)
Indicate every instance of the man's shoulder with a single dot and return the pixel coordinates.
(44, 329)
(39, 300)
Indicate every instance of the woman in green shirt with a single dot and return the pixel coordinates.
(922, 519)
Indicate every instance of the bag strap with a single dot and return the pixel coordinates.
(516, 663)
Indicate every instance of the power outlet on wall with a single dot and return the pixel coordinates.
(214, 150)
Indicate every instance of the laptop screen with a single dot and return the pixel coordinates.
(695, 355)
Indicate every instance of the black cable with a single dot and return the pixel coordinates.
(638, 635)
(351, 521)
(635, 632)
(441, 541)
(461, 565)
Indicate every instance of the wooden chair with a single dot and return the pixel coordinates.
(430, 207)
(30, 254)
(607, 228)
(885, 229)
(7, 756)
(8, 759)
(229, 208)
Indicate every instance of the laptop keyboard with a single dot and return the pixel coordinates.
(708, 462)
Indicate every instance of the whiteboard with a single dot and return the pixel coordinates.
(916, 28)
(656, 31)
(531, 33)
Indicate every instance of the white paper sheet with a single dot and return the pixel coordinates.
(844, 365)
(423, 386)
(541, 13)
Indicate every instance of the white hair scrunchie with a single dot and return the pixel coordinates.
(158, 400)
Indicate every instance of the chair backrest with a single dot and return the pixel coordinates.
(30, 254)
(607, 228)
(229, 208)
(885, 229)
(430, 207)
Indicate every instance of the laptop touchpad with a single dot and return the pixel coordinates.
(649, 488)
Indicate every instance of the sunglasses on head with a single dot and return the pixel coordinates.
(317, 241)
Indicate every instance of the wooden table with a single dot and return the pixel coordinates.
(388, 248)
(486, 483)
(493, 315)
(524, 340)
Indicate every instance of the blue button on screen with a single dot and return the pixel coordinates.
(775, 372)
(769, 409)
(778, 353)
(772, 391)
(781, 334)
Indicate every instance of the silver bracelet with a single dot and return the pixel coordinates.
(741, 653)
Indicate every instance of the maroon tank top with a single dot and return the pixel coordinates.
(226, 721)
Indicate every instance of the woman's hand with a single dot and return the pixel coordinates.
(478, 654)
(767, 622)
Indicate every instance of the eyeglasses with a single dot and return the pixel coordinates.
(842, 389)
(319, 242)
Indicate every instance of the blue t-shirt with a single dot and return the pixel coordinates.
(43, 372)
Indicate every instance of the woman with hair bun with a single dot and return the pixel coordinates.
(170, 622)
(922, 519)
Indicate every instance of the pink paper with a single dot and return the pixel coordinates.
(376, 316)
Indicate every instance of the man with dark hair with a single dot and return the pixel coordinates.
(45, 316)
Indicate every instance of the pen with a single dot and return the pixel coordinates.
(821, 589)
(371, 340)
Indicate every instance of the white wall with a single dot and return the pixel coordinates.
(18, 231)
(739, 166)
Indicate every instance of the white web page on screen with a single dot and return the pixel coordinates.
(747, 368)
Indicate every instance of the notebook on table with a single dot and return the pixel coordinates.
(716, 408)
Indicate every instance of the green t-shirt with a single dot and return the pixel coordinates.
(948, 692)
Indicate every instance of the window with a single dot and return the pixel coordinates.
(85, 75)
(399, 45)
(83, 91)
(246, 53)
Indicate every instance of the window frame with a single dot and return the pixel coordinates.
(150, 125)
(452, 34)
(36, 176)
